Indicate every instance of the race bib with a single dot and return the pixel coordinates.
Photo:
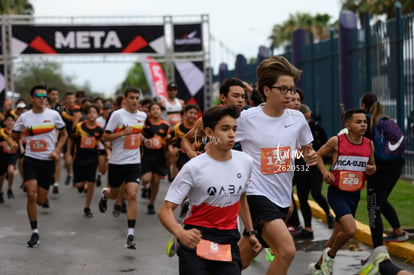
(38, 145)
(132, 142)
(214, 251)
(351, 181)
(174, 118)
(275, 160)
(87, 142)
(155, 143)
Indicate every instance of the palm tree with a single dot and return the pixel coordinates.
(16, 7)
(318, 25)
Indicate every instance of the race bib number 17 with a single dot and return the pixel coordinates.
(275, 160)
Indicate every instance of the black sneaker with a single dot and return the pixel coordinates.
(55, 189)
(124, 207)
(102, 201)
(130, 242)
(331, 221)
(68, 180)
(46, 203)
(87, 212)
(117, 210)
(34, 240)
(144, 193)
(98, 181)
(10, 194)
(151, 210)
(304, 234)
(81, 188)
(1, 198)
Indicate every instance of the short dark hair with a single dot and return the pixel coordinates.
(155, 103)
(39, 86)
(301, 94)
(190, 106)
(94, 106)
(133, 90)
(227, 83)
(146, 101)
(50, 89)
(214, 114)
(348, 114)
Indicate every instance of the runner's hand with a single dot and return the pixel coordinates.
(309, 155)
(255, 244)
(190, 238)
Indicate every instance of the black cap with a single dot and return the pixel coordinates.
(172, 86)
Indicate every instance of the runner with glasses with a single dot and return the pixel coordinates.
(39, 128)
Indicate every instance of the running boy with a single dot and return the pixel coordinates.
(353, 159)
(215, 183)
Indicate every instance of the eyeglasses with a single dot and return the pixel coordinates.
(283, 89)
(41, 96)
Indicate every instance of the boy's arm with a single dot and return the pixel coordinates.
(189, 238)
(190, 137)
(329, 147)
(244, 214)
(371, 167)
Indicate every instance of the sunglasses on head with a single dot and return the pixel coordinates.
(40, 95)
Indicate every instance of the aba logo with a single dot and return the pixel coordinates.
(211, 191)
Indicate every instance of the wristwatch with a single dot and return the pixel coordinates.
(249, 233)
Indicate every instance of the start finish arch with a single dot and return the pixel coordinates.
(181, 42)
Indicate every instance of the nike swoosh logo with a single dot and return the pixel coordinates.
(393, 147)
(288, 125)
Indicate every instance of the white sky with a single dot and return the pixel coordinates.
(240, 25)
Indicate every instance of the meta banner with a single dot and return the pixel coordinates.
(187, 38)
(30, 39)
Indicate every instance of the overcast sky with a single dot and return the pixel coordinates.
(238, 26)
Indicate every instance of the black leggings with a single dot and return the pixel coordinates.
(379, 187)
(310, 182)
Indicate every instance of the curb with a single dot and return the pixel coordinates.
(403, 250)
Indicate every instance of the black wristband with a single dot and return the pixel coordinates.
(249, 233)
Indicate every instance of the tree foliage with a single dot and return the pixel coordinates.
(28, 74)
(136, 77)
(16, 7)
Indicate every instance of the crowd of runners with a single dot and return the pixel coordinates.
(237, 160)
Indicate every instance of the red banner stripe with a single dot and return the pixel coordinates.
(40, 45)
(136, 44)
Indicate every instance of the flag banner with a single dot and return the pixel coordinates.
(189, 77)
(187, 38)
(154, 73)
(75, 39)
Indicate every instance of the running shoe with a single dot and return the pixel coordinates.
(269, 255)
(171, 247)
(151, 210)
(130, 244)
(331, 221)
(55, 189)
(102, 201)
(46, 203)
(34, 240)
(68, 180)
(10, 194)
(327, 262)
(87, 212)
(396, 238)
(303, 235)
(312, 269)
(117, 210)
(378, 255)
(1, 198)
(98, 181)
(124, 207)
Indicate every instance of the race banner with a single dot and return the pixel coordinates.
(187, 38)
(2, 79)
(155, 76)
(189, 77)
(76, 39)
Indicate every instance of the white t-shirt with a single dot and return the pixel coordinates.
(213, 188)
(272, 142)
(101, 121)
(125, 149)
(39, 130)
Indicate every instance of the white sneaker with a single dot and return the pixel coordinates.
(327, 262)
(378, 255)
(312, 269)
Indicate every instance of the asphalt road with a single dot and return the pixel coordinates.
(73, 244)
